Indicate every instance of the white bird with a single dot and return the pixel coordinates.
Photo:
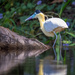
(50, 26)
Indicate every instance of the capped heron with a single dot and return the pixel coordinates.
(50, 26)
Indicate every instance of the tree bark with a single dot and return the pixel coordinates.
(14, 46)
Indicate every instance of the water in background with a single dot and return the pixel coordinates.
(45, 64)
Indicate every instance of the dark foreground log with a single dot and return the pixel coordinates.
(14, 49)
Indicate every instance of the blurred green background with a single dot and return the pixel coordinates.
(14, 12)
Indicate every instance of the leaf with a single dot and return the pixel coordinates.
(73, 35)
(24, 7)
(13, 22)
(30, 5)
(64, 5)
(12, 9)
(73, 44)
(40, 7)
(50, 7)
(58, 47)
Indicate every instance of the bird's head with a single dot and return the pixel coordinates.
(37, 14)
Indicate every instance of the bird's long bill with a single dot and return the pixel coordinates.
(31, 17)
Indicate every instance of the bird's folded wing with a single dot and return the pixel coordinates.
(53, 23)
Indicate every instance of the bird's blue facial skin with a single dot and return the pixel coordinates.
(34, 15)
(31, 17)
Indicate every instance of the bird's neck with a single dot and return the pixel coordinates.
(41, 20)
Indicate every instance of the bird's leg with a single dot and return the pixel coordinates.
(54, 45)
(55, 39)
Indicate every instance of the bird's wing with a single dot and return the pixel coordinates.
(53, 23)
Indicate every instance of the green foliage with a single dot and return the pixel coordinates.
(16, 11)
(58, 47)
(63, 7)
(73, 35)
(72, 44)
(40, 7)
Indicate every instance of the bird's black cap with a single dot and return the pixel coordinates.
(38, 11)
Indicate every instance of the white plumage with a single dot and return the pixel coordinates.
(53, 23)
(50, 26)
